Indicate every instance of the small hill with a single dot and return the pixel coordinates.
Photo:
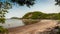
(33, 15)
(40, 15)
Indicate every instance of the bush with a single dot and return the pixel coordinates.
(3, 30)
(2, 20)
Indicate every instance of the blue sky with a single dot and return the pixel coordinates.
(45, 6)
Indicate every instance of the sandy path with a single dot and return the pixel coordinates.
(33, 28)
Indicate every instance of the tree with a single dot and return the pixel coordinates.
(57, 2)
(28, 3)
(3, 30)
(4, 6)
(14, 18)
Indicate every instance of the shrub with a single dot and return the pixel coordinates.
(3, 30)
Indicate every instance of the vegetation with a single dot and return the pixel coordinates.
(6, 4)
(40, 15)
(34, 17)
(14, 18)
(28, 3)
(3, 30)
(57, 2)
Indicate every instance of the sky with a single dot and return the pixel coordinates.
(45, 6)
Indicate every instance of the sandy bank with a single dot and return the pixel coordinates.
(34, 28)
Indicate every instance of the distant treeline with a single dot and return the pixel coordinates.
(14, 18)
(40, 15)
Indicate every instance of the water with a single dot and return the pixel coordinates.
(12, 23)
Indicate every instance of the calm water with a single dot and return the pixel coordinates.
(12, 23)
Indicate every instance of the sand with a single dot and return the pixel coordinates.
(41, 26)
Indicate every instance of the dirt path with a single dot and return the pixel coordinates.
(33, 28)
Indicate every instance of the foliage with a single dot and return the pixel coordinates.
(3, 30)
(4, 6)
(30, 2)
(2, 20)
(33, 15)
(24, 2)
(40, 15)
(14, 18)
(57, 2)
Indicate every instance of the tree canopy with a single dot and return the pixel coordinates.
(24, 2)
(30, 2)
(40, 15)
(4, 7)
(57, 2)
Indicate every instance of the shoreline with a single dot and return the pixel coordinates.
(37, 26)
